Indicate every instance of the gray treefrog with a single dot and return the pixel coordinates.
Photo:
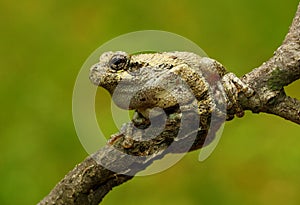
(147, 80)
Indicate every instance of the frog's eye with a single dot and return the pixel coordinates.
(118, 62)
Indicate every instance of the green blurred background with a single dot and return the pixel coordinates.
(43, 45)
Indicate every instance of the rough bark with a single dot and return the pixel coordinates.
(269, 79)
(89, 182)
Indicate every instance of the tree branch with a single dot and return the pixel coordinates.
(287, 108)
(89, 181)
(269, 79)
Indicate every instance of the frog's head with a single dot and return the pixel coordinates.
(142, 80)
(110, 69)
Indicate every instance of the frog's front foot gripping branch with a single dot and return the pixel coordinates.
(234, 87)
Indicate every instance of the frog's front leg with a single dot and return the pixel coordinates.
(140, 121)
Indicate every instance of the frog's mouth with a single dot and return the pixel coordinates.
(102, 77)
(95, 74)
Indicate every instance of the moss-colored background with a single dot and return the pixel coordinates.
(42, 47)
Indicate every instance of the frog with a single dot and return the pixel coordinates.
(175, 85)
(142, 79)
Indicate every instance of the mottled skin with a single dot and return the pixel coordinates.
(145, 81)
(181, 85)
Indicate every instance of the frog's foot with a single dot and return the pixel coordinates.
(233, 86)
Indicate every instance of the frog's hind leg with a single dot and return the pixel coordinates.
(233, 86)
